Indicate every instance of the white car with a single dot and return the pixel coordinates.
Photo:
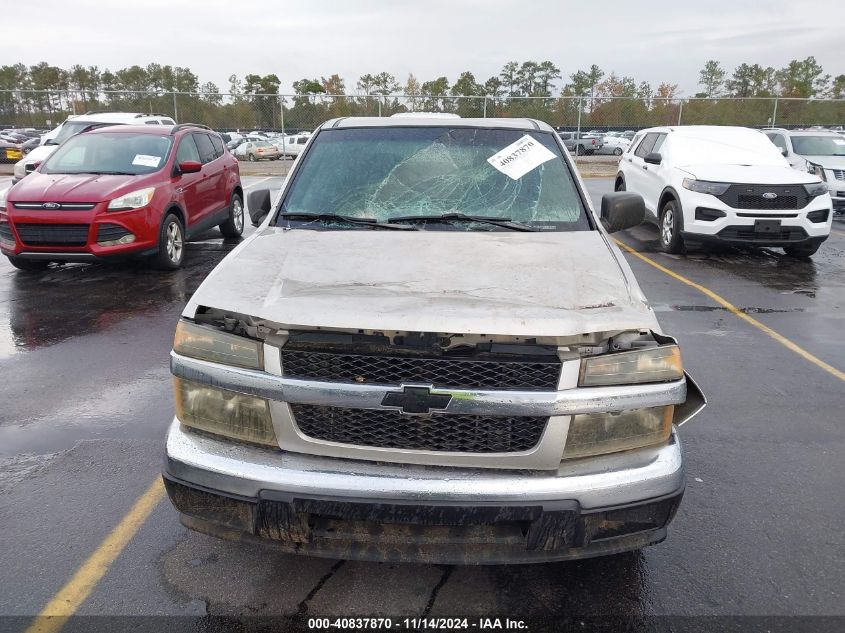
(616, 145)
(819, 152)
(724, 184)
(292, 145)
(76, 124)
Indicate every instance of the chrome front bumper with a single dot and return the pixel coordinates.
(250, 472)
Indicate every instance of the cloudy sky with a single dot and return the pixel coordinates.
(652, 40)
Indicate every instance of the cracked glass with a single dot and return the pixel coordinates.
(382, 173)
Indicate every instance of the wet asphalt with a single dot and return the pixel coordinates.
(86, 400)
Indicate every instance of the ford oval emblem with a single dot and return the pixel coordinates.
(51, 205)
(770, 195)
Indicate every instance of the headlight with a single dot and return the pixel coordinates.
(3, 199)
(816, 189)
(206, 343)
(817, 170)
(224, 412)
(654, 364)
(134, 200)
(704, 186)
(600, 433)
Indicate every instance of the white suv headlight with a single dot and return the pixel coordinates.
(133, 200)
(704, 186)
(816, 189)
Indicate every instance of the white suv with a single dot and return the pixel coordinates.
(819, 152)
(725, 184)
(76, 124)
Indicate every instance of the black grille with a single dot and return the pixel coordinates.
(109, 232)
(748, 234)
(53, 234)
(748, 201)
(6, 232)
(753, 197)
(487, 373)
(435, 432)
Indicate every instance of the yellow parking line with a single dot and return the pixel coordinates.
(739, 313)
(69, 598)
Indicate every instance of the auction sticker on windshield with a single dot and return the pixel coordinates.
(146, 161)
(518, 158)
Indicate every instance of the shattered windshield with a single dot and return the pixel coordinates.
(399, 173)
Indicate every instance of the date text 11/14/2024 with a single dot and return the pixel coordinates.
(416, 624)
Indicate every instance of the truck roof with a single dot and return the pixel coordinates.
(429, 121)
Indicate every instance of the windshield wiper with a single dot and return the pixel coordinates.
(343, 219)
(449, 218)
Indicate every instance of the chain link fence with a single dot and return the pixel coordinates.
(293, 113)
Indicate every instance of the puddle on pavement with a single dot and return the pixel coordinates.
(71, 300)
(697, 308)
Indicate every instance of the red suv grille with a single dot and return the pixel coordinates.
(53, 234)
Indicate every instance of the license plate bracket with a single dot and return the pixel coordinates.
(766, 226)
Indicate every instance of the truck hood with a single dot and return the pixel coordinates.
(38, 187)
(507, 283)
(750, 174)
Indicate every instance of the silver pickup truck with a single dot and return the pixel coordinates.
(430, 350)
(581, 143)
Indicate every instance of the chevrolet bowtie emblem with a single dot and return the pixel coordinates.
(416, 400)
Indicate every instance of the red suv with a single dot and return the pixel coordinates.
(123, 191)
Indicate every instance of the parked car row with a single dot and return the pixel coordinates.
(16, 143)
(731, 185)
(286, 146)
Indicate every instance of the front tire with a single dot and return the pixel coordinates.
(619, 185)
(251, 158)
(579, 150)
(670, 228)
(234, 224)
(171, 244)
(801, 250)
(29, 265)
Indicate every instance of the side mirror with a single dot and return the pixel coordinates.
(621, 210)
(784, 152)
(189, 166)
(258, 203)
(653, 158)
